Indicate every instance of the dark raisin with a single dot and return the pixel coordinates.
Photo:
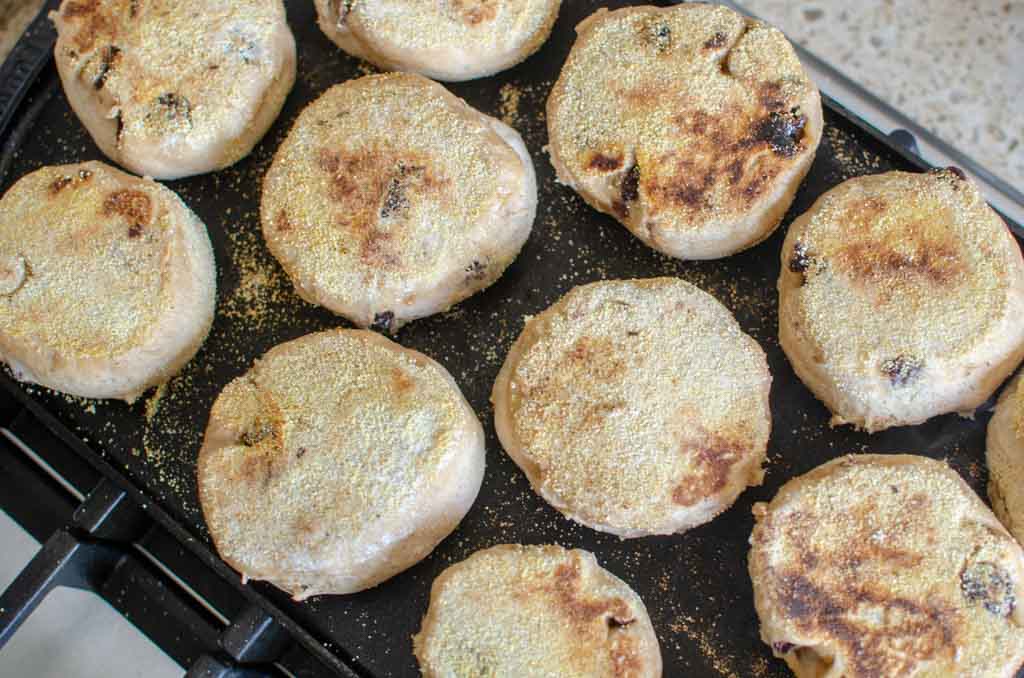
(782, 131)
(383, 322)
(343, 8)
(783, 647)
(135, 230)
(255, 434)
(394, 198)
(990, 585)
(958, 172)
(631, 185)
(107, 61)
(476, 271)
(616, 623)
(801, 260)
(662, 37)
(300, 453)
(715, 41)
(901, 370)
(176, 107)
(59, 184)
(84, 174)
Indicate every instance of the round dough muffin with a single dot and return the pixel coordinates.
(172, 88)
(107, 281)
(391, 199)
(445, 40)
(511, 611)
(339, 460)
(1005, 457)
(636, 407)
(887, 565)
(900, 299)
(692, 125)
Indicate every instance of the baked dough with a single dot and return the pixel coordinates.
(636, 407)
(107, 281)
(391, 199)
(887, 565)
(900, 298)
(512, 611)
(692, 125)
(172, 88)
(442, 39)
(339, 460)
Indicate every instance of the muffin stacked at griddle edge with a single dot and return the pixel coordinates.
(698, 180)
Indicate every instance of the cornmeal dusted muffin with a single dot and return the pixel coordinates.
(107, 281)
(172, 88)
(1005, 457)
(692, 125)
(635, 407)
(391, 199)
(442, 39)
(900, 298)
(339, 460)
(887, 565)
(541, 611)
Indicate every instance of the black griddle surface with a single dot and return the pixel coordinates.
(695, 585)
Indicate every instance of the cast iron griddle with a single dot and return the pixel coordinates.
(695, 585)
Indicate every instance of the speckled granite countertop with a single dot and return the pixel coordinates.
(954, 67)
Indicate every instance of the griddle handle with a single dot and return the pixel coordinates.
(33, 51)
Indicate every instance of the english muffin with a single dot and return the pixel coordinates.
(391, 199)
(635, 407)
(445, 40)
(900, 298)
(339, 460)
(887, 565)
(107, 281)
(1005, 458)
(171, 88)
(692, 125)
(512, 611)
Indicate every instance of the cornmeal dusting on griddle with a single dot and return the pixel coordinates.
(510, 95)
(325, 440)
(693, 112)
(636, 400)
(516, 610)
(919, 260)
(888, 565)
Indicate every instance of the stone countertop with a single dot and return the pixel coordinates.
(954, 67)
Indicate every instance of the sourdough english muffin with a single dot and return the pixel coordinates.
(887, 565)
(1005, 458)
(171, 88)
(391, 199)
(443, 39)
(900, 298)
(512, 611)
(339, 460)
(691, 124)
(107, 281)
(635, 407)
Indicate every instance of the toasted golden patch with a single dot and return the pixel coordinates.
(891, 285)
(636, 406)
(681, 120)
(337, 461)
(391, 199)
(548, 611)
(886, 565)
